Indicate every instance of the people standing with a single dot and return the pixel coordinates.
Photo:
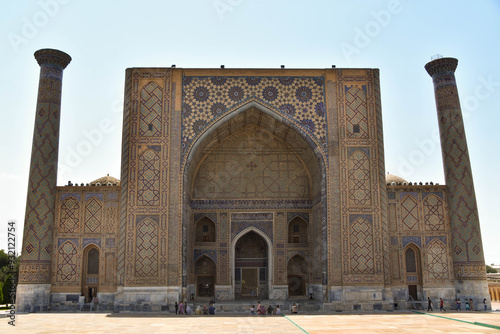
(441, 304)
(176, 307)
(458, 305)
(485, 305)
(278, 310)
(270, 310)
(471, 302)
(294, 308)
(467, 307)
(252, 310)
(211, 309)
(181, 308)
(429, 304)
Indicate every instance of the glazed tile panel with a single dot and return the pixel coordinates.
(205, 100)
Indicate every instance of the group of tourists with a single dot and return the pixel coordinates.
(469, 304)
(185, 309)
(261, 309)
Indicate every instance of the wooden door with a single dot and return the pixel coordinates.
(249, 282)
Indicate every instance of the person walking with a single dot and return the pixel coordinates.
(429, 304)
(458, 304)
(467, 307)
(176, 307)
(441, 304)
(181, 308)
(471, 302)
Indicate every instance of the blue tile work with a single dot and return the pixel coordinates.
(261, 221)
(292, 215)
(88, 241)
(211, 253)
(300, 100)
(60, 241)
(250, 204)
(75, 195)
(415, 239)
(211, 215)
(428, 239)
(89, 195)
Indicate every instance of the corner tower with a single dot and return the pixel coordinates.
(33, 292)
(467, 249)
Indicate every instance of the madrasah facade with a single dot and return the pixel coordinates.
(250, 184)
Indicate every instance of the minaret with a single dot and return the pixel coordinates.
(33, 292)
(467, 248)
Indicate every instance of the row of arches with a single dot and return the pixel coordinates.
(252, 266)
(298, 230)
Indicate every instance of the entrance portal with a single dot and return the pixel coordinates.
(251, 266)
(205, 277)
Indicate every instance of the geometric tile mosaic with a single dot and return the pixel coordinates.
(207, 99)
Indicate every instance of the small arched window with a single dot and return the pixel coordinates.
(93, 262)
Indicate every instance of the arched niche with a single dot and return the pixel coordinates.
(298, 231)
(90, 271)
(252, 260)
(413, 270)
(205, 272)
(205, 230)
(297, 276)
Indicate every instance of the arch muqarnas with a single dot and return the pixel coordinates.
(254, 119)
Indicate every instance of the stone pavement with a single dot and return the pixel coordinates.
(354, 322)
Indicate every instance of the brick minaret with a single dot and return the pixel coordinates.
(467, 249)
(33, 291)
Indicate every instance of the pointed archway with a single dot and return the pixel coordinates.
(254, 160)
(251, 263)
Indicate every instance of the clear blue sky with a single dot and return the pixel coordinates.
(398, 37)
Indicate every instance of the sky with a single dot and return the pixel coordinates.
(105, 37)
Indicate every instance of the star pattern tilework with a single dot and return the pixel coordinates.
(207, 99)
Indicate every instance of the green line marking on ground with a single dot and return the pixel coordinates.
(467, 322)
(302, 329)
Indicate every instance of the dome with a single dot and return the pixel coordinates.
(105, 180)
(391, 178)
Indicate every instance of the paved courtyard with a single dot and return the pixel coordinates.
(149, 323)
